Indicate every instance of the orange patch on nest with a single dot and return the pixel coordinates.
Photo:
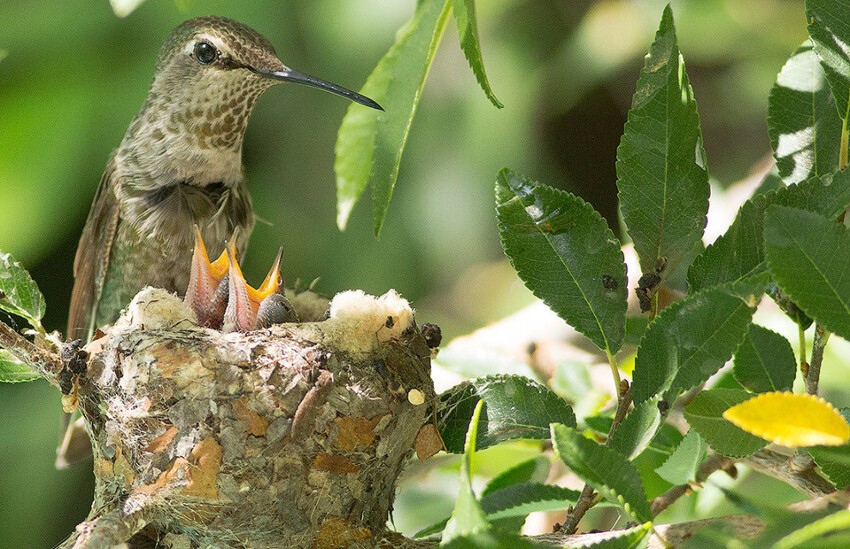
(354, 432)
(428, 442)
(335, 464)
(335, 533)
(197, 475)
(255, 424)
(170, 357)
(161, 442)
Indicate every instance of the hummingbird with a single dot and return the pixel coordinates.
(176, 179)
(178, 166)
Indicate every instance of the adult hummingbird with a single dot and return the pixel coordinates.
(178, 166)
(176, 180)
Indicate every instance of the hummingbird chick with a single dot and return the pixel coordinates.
(222, 299)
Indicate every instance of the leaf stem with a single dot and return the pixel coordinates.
(615, 372)
(819, 342)
(587, 498)
(801, 337)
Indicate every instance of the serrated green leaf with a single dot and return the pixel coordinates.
(605, 469)
(522, 499)
(739, 253)
(515, 407)
(803, 123)
(682, 465)
(661, 171)
(567, 256)
(467, 28)
(809, 257)
(494, 539)
(834, 463)
(13, 370)
(688, 342)
(467, 517)
(636, 431)
(831, 35)
(765, 361)
(630, 538)
(370, 143)
(532, 470)
(19, 294)
(830, 531)
(705, 415)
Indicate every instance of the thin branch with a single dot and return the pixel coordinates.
(45, 363)
(818, 345)
(714, 462)
(803, 476)
(114, 527)
(587, 498)
(801, 337)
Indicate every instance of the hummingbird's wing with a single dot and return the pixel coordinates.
(92, 258)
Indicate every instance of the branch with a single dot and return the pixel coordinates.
(47, 364)
(113, 527)
(803, 476)
(714, 462)
(813, 371)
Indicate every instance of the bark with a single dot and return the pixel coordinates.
(288, 437)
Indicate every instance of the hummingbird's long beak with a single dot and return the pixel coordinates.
(289, 75)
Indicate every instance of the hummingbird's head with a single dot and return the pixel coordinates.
(230, 62)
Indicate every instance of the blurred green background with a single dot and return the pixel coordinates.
(74, 75)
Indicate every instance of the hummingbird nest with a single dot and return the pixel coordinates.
(292, 436)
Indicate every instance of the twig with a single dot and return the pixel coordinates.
(586, 499)
(802, 476)
(801, 337)
(114, 527)
(818, 345)
(714, 462)
(45, 363)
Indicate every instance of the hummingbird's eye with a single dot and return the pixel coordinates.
(205, 53)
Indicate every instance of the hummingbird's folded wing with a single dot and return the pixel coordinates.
(92, 257)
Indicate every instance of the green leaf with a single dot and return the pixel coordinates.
(467, 27)
(467, 516)
(809, 256)
(765, 361)
(661, 171)
(13, 370)
(521, 499)
(831, 35)
(19, 293)
(493, 539)
(370, 143)
(705, 415)
(567, 256)
(123, 8)
(682, 465)
(636, 431)
(803, 123)
(603, 468)
(834, 463)
(830, 531)
(630, 538)
(688, 342)
(740, 252)
(532, 470)
(514, 407)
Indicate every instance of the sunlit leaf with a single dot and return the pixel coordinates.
(522, 499)
(630, 538)
(13, 370)
(467, 26)
(123, 8)
(370, 143)
(533, 470)
(565, 253)
(636, 431)
(791, 419)
(809, 257)
(830, 531)
(494, 539)
(603, 468)
(739, 253)
(514, 407)
(705, 415)
(688, 342)
(803, 123)
(661, 171)
(467, 517)
(765, 361)
(19, 293)
(831, 36)
(682, 465)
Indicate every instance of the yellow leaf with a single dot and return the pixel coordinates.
(791, 419)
